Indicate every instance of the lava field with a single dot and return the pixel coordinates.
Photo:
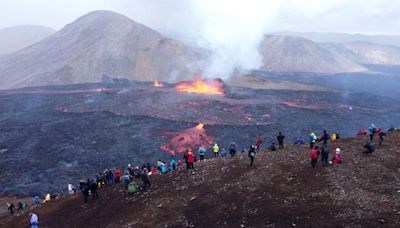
(53, 136)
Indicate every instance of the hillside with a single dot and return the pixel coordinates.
(366, 53)
(101, 42)
(16, 38)
(280, 191)
(295, 54)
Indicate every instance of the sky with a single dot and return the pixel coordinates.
(232, 29)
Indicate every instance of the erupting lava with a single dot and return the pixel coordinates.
(211, 87)
(191, 138)
(157, 83)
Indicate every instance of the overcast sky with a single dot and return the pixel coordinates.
(179, 16)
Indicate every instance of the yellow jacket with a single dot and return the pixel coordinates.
(334, 137)
(48, 197)
(216, 148)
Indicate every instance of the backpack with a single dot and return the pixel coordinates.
(314, 154)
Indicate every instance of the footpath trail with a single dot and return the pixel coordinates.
(281, 190)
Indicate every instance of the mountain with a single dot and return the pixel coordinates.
(332, 37)
(296, 54)
(101, 42)
(366, 53)
(16, 38)
(280, 190)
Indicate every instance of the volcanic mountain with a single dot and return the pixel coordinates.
(16, 38)
(280, 190)
(295, 54)
(99, 43)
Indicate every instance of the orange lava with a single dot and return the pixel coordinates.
(210, 87)
(157, 83)
(200, 126)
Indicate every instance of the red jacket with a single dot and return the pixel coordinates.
(179, 163)
(258, 142)
(314, 154)
(190, 157)
(118, 173)
(337, 159)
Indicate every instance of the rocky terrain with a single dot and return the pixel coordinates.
(16, 38)
(281, 190)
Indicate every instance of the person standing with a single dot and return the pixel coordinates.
(145, 179)
(190, 160)
(34, 220)
(258, 143)
(232, 149)
(325, 154)
(371, 131)
(216, 150)
(325, 137)
(252, 155)
(11, 208)
(312, 138)
(382, 136)
(280, 139)
(314, 156)
(202, 152)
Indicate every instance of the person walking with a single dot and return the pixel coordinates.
(34, 220)
(145, 179)
(216, 150)
(325, 154)
(280, 139)
(314, 156)
(371, 132)
(252, 155)
(382, 136)
(11, 208)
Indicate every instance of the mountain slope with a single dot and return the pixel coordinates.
(281, 190)
(295, 54)
(101, 42)
(367, 53)
(16, 38)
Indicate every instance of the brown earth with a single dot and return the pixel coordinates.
(281, 190)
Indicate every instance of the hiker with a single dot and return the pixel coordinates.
(34, 220)
(314, 156)
(337, 158)
(202, 152)
(109, 176)
(382, 136)
(232, 149)
(272, 147)
(180, 164)
(145, 179)
(36, 200)
(11, 208)
(369, 147)
(126, 179)
(190, 160)
(163, 168)
(93, 188)
(300, 141)
(159, 162)
(216, 150)
(172, 165)
(223, 152)
(85, 191)
(325, 137)
(48, 197)
(71, 189)
(148, 166)
(20, 206)
(280, 139)
(258, 143)
(325, 154)
(252, 154)
(371, 132)
(117, 174)
(333, 137)
(312, 138)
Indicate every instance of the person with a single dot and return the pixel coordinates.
(371, 132)
(71, 189)
(85, 191)
(325, 154)
(159, 162)
(382, 136)
(154, 170)
(163, 168)
(232, 149)
(272, 147)
(190, 160)
(223, 152)
(172, 165)
(312, 138)
(117, 174)
(93, 188)
(216, 150)
(314, 156)
(333, 137)
(48, 197)
(11, 208)
(145, 179)
(325, 137)
(20, 206)
(202, 152)
(391, 128)
(252, 154)
(258, 143)
(337, 158)
(300, 141)
(34, 220)
(180, 164)
(109, 176)
(148, 166)
(280, 139)
(36, 200)
(369, 147)
(126, 179)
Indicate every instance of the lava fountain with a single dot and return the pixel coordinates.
(191, 138)
(157, 83)
(208, 87)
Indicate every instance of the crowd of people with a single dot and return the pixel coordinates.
(138, 178)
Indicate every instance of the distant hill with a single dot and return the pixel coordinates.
(366, 53)
(296, 54)
(345, 37)
(16, 38)
(101, 42)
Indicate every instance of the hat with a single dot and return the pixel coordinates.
(337, 150)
